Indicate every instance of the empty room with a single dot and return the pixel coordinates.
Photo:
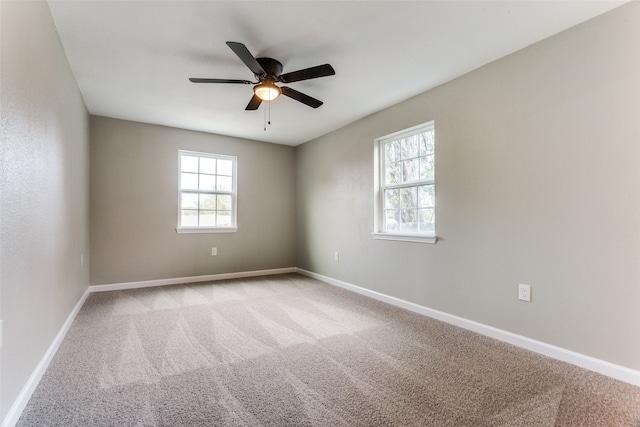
(319, 213)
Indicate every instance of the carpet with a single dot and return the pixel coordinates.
(289, 350)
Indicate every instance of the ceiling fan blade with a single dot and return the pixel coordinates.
(301, 97)
(308, 73)
(198, 80)
(254, 103)
(246, 57)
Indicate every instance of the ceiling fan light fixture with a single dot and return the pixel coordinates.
(267, 91)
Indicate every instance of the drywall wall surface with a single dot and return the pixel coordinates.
(44, 191)
(134, 205)
(537, 182)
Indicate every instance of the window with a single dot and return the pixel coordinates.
(207, 193)
(405, 185)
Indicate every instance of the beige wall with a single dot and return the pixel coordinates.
(134, 196)
(538, 182)
(44, 184)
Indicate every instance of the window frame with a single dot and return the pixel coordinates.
(379, 232)
(234, 194)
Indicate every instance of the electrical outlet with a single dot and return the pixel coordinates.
(524, 292)
(336, 256)
(214, 251)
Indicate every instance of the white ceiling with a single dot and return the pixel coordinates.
(132, 59)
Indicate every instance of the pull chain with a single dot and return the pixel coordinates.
(267, 122)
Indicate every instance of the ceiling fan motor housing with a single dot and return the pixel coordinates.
(271, 66)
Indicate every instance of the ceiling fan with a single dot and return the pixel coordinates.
(268, 72)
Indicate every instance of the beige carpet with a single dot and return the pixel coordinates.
(292, 351)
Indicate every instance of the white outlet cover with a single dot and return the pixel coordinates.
(214, 251)
(524, 292)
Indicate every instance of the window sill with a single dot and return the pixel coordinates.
(414, 238)
(192, 230)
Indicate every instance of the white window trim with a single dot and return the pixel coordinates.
(379, 233)
(399, 237)
(194, 230)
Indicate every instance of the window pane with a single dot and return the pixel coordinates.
(410, 170)
(189, 201)
(391, 219)
(206, 190)
(408, 220)
(426, 167)
(225, 183)
(188, 163)
(224, 218)
(426, 197)
(207, 182)
(407, 186)
(225, 167)
(408, 197)
(410, 147)
(392, 199)
(207, 219)
(208, 201)
(189, 218)
(427, 141)
(224, 202)
(393, 173)
(207, 165)
(426, 219)
(392, 151)
(189, 181)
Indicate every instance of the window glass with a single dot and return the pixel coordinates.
(207, 198)
(406, 186)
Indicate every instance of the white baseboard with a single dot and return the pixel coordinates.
(192, 279)
(583, 361)
(21, 401)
